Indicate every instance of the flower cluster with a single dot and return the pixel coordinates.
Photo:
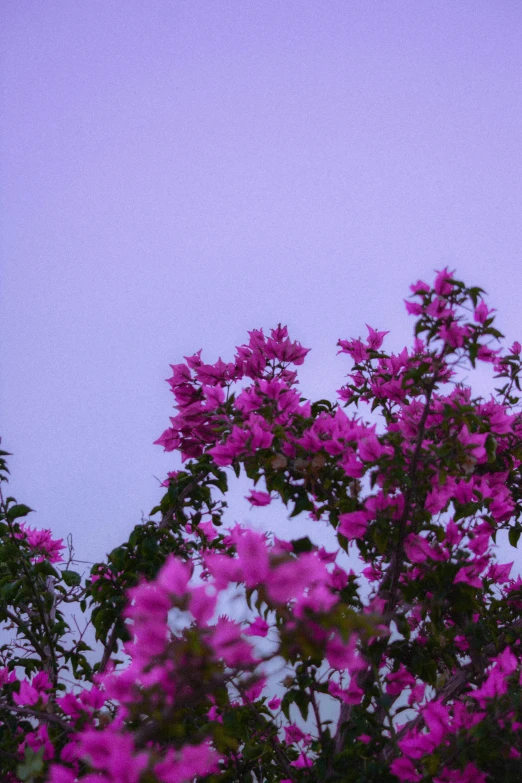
(417, 653)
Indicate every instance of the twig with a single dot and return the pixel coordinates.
(109, 647)
(45, 716)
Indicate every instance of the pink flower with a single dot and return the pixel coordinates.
(437, 499)
(453, 534)
(261, 437)
(461, 643)
(482, 312)
(171, 475)
(351, 695)
(417, 694)
(413, 308)
(416, 745)
(404, 769)
(506, 661)
(213, 714)
(6, 676)
(417, 548)
(436, 717)
(41, 682)
(399, 680)
(468, 575)
(71, 705)
(485, 354)
(289, 580)
(353, 524)
(229, 644)
(355, 348)
(443, 285)
(370, 450)
(470, 774)
(494, 685)
(453, 334)
(258, 628)
(303, 762)
(293, 734)
(319, 599)
(28, 696)
(169, 439)
(420, 287)
(59, 774)
(186, 764)
(499, 572)
(438, 308)
(215, 397)
(476, 441)
(38, 739)
(254, 692)
(375, 339)
(113, 753)
(202, 605)
(259, 498)
(174, 576)
(338, 578)
(343, 655)
(41, 542)
(252, 555)
(208, 529)
(352, 466)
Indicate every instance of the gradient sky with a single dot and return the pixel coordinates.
(176, 173)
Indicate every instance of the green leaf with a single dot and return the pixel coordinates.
(32, 765)
(46, 568)
(71, 578)
(513, 536)
(288, 698)
(18, 511)
(432, 764)
(302, 545)
(319, 406)
(381, 538)
(301, 700)
(491, 448)
(302, 503)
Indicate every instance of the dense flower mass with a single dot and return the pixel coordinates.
(402, 663)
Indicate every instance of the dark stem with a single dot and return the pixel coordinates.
(110, 647)
(43, 716)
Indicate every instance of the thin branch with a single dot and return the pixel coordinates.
(43, 616)
(317, 716)
(49, 717)
(110, 647)
(24, 628)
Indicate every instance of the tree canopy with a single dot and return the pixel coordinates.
(222, 653)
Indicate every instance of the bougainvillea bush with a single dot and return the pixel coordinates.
(417, 654)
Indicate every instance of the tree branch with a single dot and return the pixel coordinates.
(49, 717)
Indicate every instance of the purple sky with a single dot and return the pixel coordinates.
(175, 173)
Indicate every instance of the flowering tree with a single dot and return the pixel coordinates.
(420, 651)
